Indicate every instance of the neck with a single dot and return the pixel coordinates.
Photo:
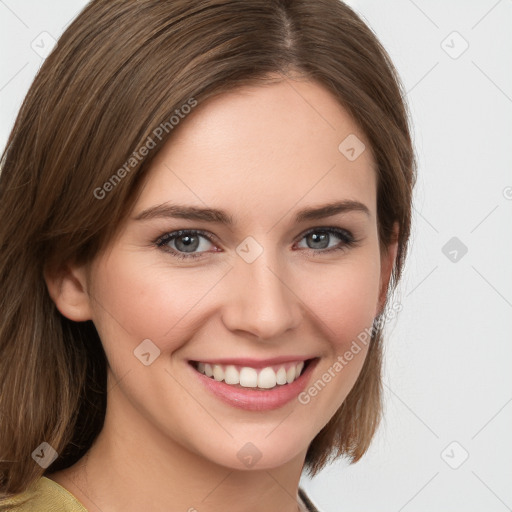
(132, 465)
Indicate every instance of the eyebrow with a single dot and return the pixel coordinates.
(213, 215)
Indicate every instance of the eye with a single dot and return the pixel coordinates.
(191, 243)
(183, 243)
(320, 238)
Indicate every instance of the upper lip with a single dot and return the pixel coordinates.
(254, 363)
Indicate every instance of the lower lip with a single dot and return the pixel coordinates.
(254, 400)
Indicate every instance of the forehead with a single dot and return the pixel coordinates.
(264, 149)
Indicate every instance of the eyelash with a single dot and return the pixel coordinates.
(161, 242)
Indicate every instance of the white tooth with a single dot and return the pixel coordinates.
(299, 368)
(248, 377)
(218, 372)
(281, 376)
(208, 370)
(200, 367)
(267, 378)
(290, 374)
(231, 375)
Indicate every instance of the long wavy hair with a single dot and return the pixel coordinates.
(118, 73)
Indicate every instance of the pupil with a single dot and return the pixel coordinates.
(187, 242)
(320, 239)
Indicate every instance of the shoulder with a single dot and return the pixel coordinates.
(44, 495)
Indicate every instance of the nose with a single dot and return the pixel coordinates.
(263, 301)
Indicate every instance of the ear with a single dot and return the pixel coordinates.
(387, 261)
(67, 287)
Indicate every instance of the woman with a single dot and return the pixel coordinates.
(204, 209)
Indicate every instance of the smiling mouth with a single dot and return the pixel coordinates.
(266, 378)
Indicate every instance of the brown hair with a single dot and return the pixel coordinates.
(120, 71)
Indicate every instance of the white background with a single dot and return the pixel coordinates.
(449, 353)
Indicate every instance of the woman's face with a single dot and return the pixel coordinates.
(274, 287)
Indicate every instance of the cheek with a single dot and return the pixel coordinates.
(137, 301)
(345, 297)
(344, 300)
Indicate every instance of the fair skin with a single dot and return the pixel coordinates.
(261, 154)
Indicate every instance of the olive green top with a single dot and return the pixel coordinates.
(44, 496)
(48, 496)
